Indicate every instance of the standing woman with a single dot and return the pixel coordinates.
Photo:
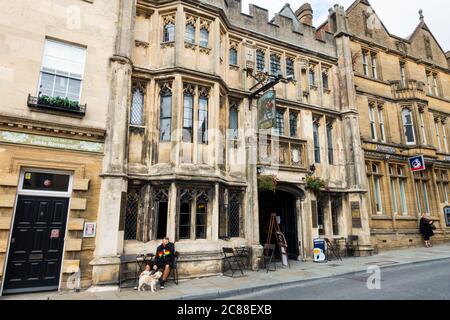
(426, 229)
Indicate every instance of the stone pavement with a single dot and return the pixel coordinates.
(221, 286)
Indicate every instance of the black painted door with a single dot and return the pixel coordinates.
(36, 247)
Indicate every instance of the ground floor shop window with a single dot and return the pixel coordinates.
(422, 192)
(193, 214)
(230, 213)
(442, 182)
(375, 177)
(131, 216)
(234, 212)
(398, 181)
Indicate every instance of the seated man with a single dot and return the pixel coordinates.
(164, 258)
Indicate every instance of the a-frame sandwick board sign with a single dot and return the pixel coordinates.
(274, 229)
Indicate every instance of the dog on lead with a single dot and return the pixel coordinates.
(147, 278)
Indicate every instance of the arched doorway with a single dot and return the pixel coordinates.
(284, 205)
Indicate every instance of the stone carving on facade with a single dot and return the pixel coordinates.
(139, 85)
(204, 92)
(428, 49)
(402, 47)
(166, 20)
(421, 108)
(205, 24)
(165, 87)
(205, 50)
(367, 30)
(140, 43)
(191, 20)
(189, 88)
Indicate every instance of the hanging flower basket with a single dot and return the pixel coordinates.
(267, 183)
(316, 185)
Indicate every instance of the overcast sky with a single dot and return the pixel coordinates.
(399, 16)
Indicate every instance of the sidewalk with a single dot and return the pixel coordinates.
(221, 287)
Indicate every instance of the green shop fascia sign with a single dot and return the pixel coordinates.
(50, 142)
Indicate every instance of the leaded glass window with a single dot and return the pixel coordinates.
(290, 68)
(165, 120)
(260, 60)
(137, 107)
(275, 64)
(190, 33)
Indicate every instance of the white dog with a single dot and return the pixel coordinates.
(149, 280)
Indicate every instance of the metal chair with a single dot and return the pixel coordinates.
(174, 270)
(268, 255)
(231, 262)
(331, 247)
(125, 273)
(351, 245)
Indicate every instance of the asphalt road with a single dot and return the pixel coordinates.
(425, 281)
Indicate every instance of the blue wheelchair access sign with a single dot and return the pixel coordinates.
(417, 163)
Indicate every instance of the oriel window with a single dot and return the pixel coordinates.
(330, 143)
(201, 218)
(233, 121)
(204, 38)
(203, 117)
(190, 33)
(233, 57)
(165, 116)
(184, 222)
(293, 119)
(193, 214)
(316, 140)
(169, 32)
(188, 116)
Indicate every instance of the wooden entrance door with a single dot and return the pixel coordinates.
(36, 247)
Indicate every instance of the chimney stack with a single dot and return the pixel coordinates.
(305, 14)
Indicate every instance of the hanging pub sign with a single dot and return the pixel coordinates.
(266, 110)
(417, 163)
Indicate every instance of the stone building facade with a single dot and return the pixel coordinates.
(51, 150)
(403, 99)
(159, 134)
(193, 156)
